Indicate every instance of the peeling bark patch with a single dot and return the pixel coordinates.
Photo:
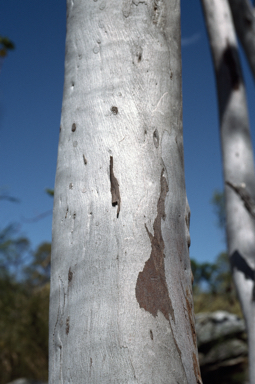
(196, 369)
(231, 61)
(73, 127)
(67, 325)
(114, 188)
(151, 287)
(114, 110)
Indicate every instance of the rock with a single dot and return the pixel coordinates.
(215, 325)
(225, 353)
(222, 347)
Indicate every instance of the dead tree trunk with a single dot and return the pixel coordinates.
(243, 13)
(237, 157)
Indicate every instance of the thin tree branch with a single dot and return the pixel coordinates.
(244, 195)
(9, 198)
(38, 217)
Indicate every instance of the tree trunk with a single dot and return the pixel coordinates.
(121, 308)
(238, 165)
(244, 18)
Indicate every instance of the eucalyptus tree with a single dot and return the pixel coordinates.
(121, 308)
(244, 19)
(237, 157)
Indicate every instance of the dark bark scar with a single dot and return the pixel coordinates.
(70, 276)
(114, 110)
(115, 191)
(231, 61)
(151, 287)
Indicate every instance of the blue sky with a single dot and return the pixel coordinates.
(31, 86)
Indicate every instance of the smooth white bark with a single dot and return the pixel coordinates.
(121, 308)
(237, 156)
(244, 18)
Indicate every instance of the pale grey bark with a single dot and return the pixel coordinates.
(237, 156)
(244, 19)
(121, 308)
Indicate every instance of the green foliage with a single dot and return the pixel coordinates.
(14, 251)
(23, 331)
(5, 45)
(24, 303)
(207, 302)
(213, 288)
(38, 271)
(203, 273)
(218, 202)
(49, 191)
(215, 276)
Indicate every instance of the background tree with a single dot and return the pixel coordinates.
(23, 307)
(213, 287)
(121, 304)
(5, 45)
(238, 164)
(244, 20)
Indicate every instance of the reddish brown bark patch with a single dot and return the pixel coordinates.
(151, 287)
